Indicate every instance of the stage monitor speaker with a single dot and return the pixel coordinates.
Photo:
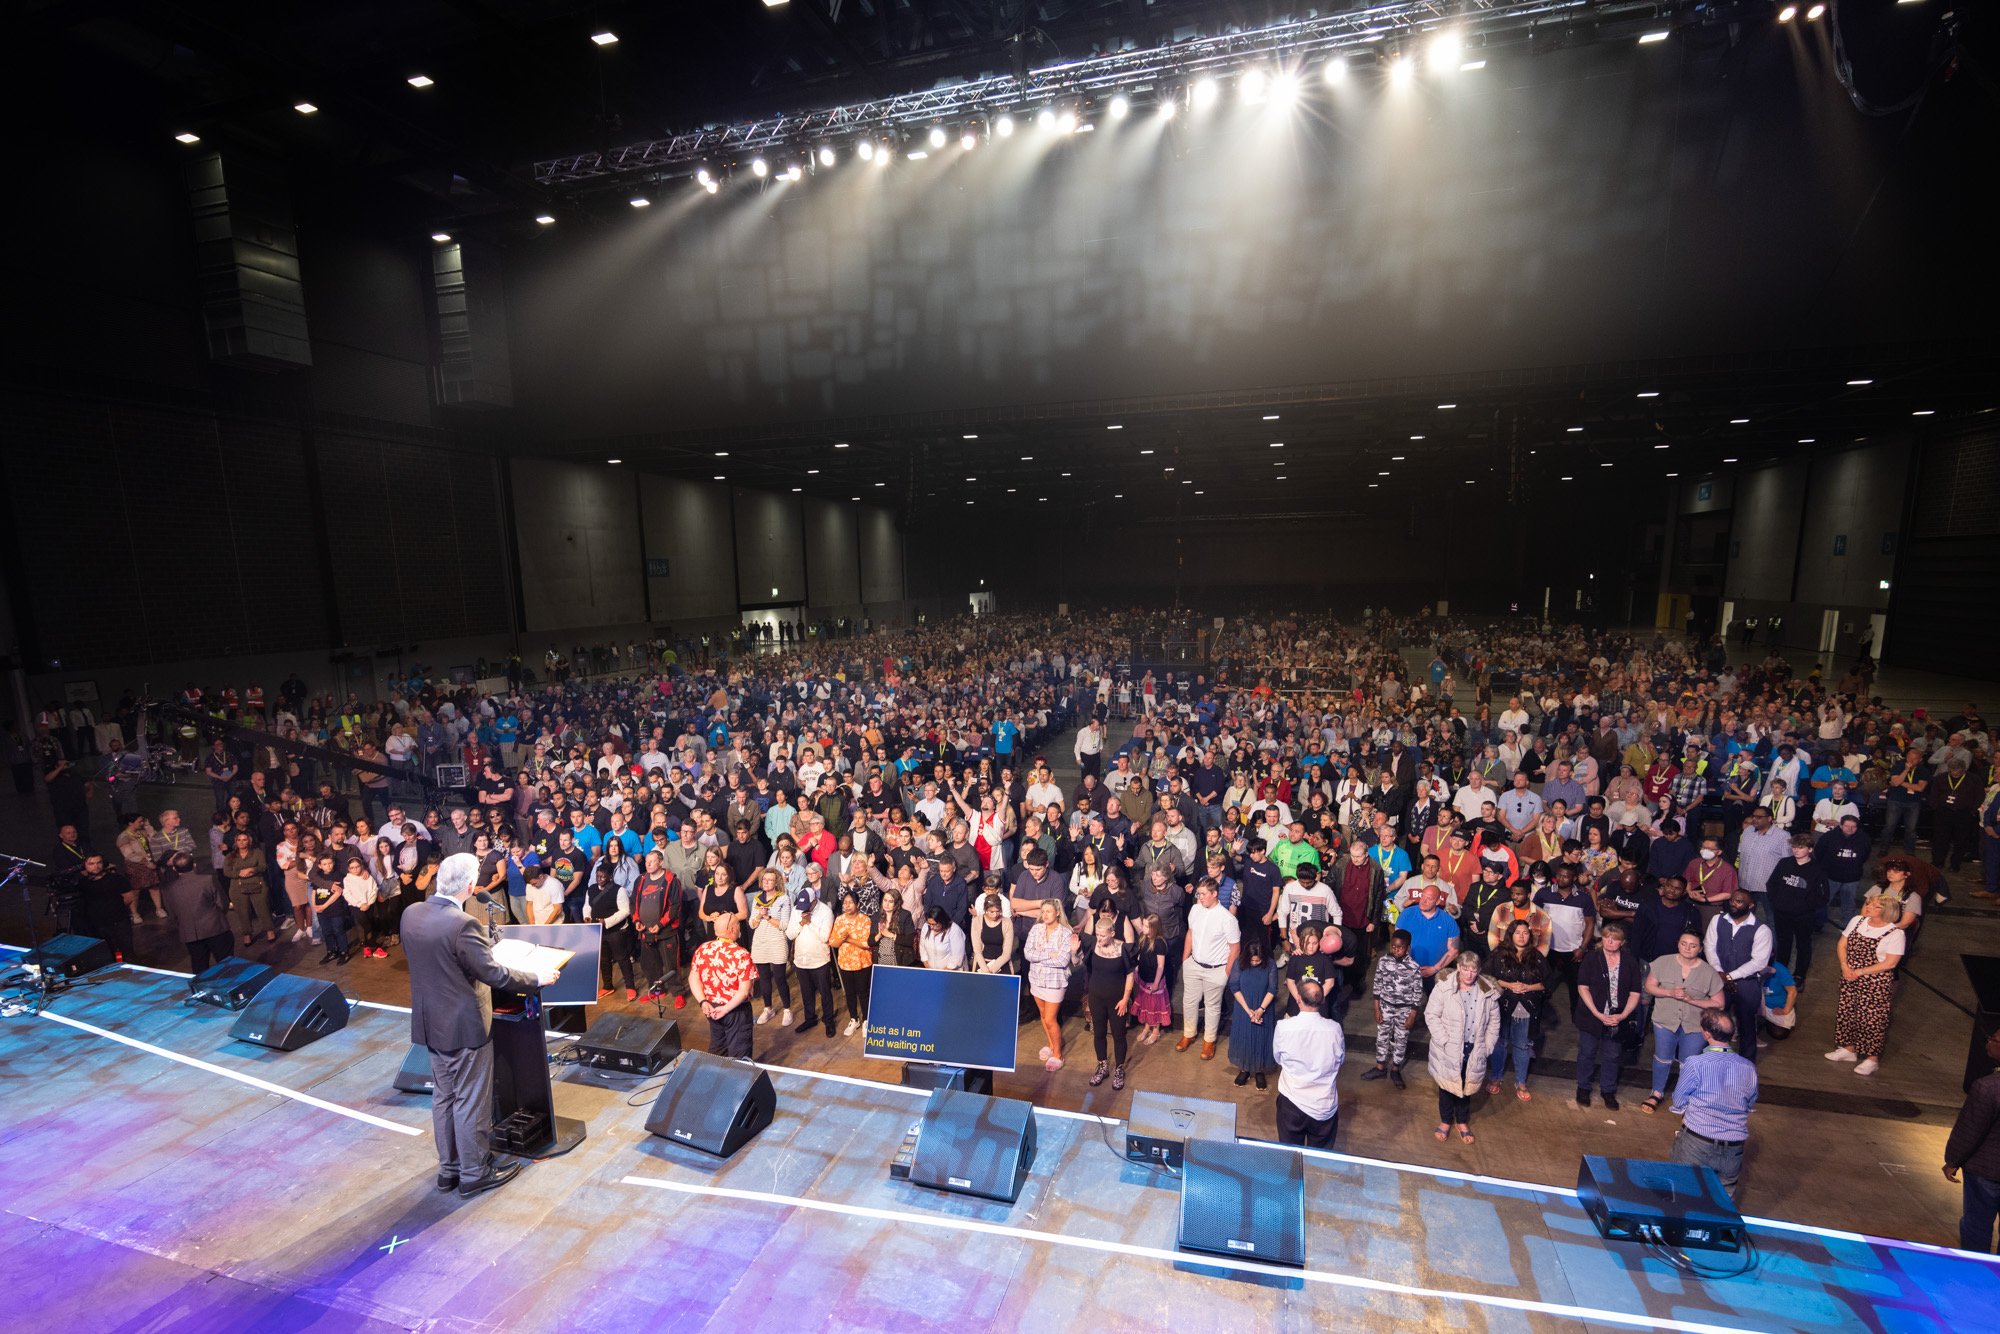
(974, 1145)
(415, 1076)
(229, 985)
(634, 1044)
(1247, 1201)
(1679, 1205)
(928, 1075)
(1161, 1124)
(712, 1104)
(290, 1012)
(71, 956)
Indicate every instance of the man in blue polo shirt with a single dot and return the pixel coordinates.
(1433, 934)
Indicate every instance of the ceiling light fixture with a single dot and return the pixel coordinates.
(1336, 70)
(1649, 38)
(759, 168)
(614, 460)
(640, 201)
(1856, 384)
(1575, 430)
(1788, 13)
(305, 108)
(440, 237)
(827, 157)
(1115, 427)
(1739, 421)
(1120, 106)
(420, 81)
(936, 136)
(545, 219)
(1924, 412)
(1004, 127)
(604, 38)
(187, 137)
(1649, 393)
(1205, 93)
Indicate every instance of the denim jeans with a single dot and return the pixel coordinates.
(1669, 1049)
(1514, 1036)
(1900, 815)
(1726, 1159)
(1844, 897)
(1975, 1224)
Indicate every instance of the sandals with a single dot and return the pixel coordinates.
(1523, 1094)
(1651, 1104)
(1465, 1134)
(1442, 1133)
(1492, 1087)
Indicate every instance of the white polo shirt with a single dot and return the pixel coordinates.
(1309, 1049)
(1212, 930)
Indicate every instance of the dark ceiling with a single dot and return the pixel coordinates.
(1325, 449)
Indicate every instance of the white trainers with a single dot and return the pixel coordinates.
(159, 914)
(137, 920)
(1867, 1067)
(764, 1015)
(1841, 1054)
(852, 1024)
(785, 1018)
(297, 936)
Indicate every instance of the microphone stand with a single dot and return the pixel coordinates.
(45, 983)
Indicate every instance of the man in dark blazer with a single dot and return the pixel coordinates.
(452, 976)
(200, 909)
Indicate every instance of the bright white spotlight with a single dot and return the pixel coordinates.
(440, 237)
(711, 187)
(937, 136)
(640, 201)
(1336, 70)
(1815, 13)
(759, 168)
(1401, 70)
(1205, 93)
(1120, 107)
(1471, 65)
(826, 156)
(545, 219)
(1066, 122)
(703, 176)
(968, 141)
(1252, 87)
(917, 154)
(1285, 88)
(865, 150)
(1004, 127)
(419, 81)
(1649, 38)
(1169, 108)
(187, 137)
(305, 108)
(882, 155)
(1445, 52)
(793, 172)
(604, 38)
(1045, 119)
(1788, 13)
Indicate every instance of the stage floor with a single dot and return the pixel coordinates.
(158, 1175)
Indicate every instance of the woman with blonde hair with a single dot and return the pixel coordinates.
(1050, 950)
(1871, 945)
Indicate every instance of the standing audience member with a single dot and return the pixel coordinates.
(1974, 1149)
(1110, 975)
(1309, 1049)
(1608, 985)
(1739, 948)
(1210, 950)
(200, 911)
(1871, 945)
(1463, 1016)
(1522, 975)
(1253, 991)
(1398, 991)
(1683, 986)
(1050, 950)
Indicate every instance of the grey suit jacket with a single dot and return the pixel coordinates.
(452, 976)
(196, 903)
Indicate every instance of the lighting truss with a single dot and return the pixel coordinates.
(1132, 72)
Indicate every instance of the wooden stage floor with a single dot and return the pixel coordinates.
(156, 1175)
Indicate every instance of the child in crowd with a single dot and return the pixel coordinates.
(329, 905)
(1399, 994)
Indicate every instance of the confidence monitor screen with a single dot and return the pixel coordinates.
(944, 1016)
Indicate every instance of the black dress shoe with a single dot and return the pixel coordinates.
(807, 1026)
(1611, 1101)
(1583, 1097)
(498, 1175)
(1396, 1076)
(1242, 1078)
(1261, 1082)
(447, 1181)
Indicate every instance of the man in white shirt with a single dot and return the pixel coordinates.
(1305, 900)
(1089, 748)
(1472, 796)
(1043, 792)
(1738, 946)
(1833, 808)
(931, 806)
(1208, 953)
(1309, 1048)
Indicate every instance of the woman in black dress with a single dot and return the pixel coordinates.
(721, 898)
(1110, 972)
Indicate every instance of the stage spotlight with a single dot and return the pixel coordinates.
(440, 237)
(759, 168)
(305, 108)
(1285, 88)
(968, 141)
(826, 156)
(882, 155)
(1120, 107)
(1788, 13)
(793, 172)
(865, 150)
(1004, 127)
(1648, 38)
(1401, 70)
(1252, 87)
(1472, 65)
(545, 219)
(604, 38)
(1205, 93)
(187, 137)
(937, 136)
(1169, 108)
(1066, 122)
(1815, 13)
(1045, 119)
(711, 187)
(419, 81)
(703, 175)
(1336, 70)
(1445, 51)
(640, 201)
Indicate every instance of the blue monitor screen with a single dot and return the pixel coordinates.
(944, 1016)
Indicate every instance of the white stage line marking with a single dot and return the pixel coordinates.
(1181, 1257)
(241, 1078)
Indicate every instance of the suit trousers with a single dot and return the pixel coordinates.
(203, 953)
(462, 1111)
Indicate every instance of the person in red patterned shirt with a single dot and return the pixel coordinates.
(720, 977)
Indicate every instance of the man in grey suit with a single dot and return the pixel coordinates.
(452, 976)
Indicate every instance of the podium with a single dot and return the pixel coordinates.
(525, 1123)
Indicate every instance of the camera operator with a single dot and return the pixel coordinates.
(199, 907)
